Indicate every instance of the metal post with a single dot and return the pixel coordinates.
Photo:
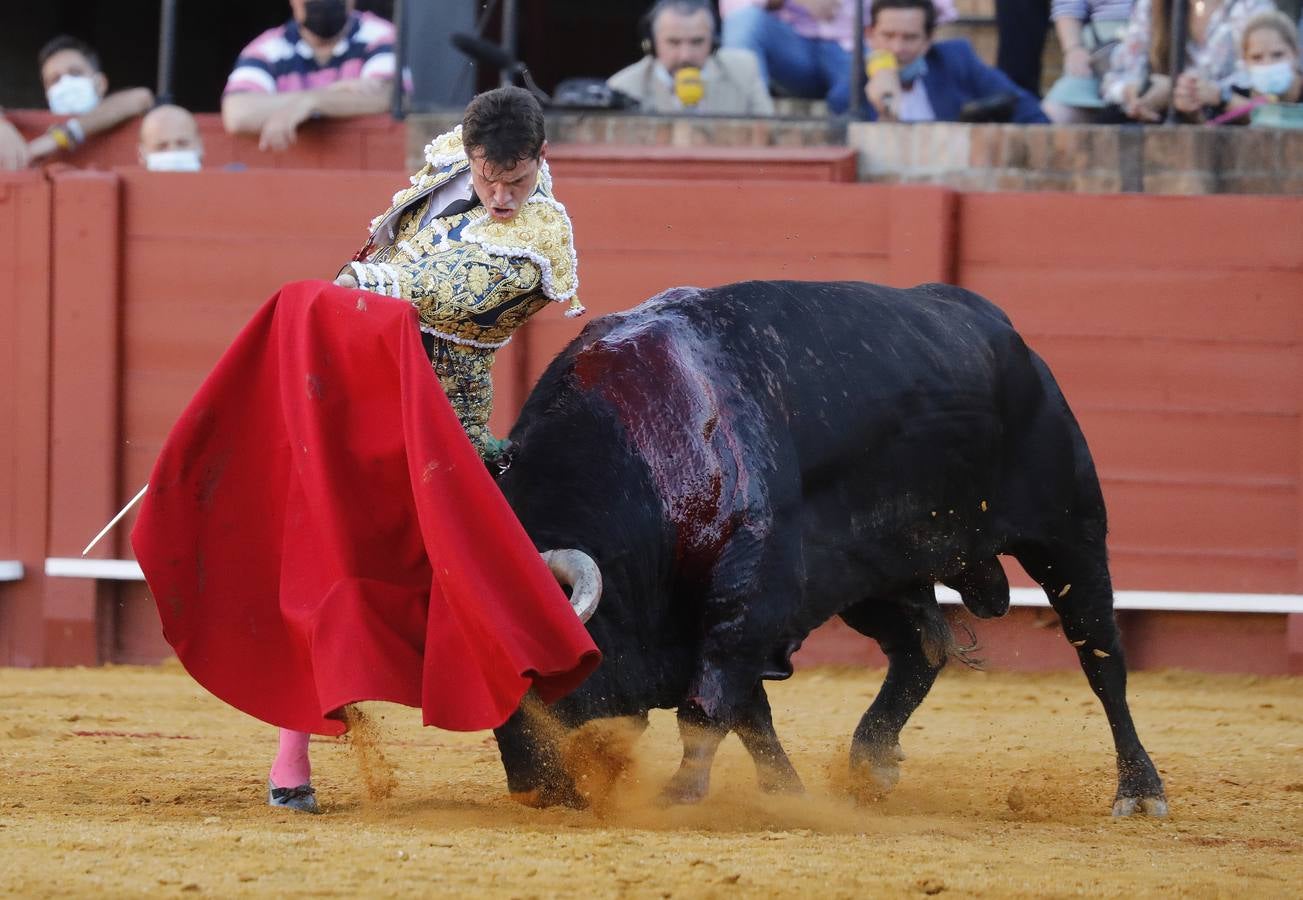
(858, 75)
(396, 106)
(510, 21)
(1178, 18)
(166, 50)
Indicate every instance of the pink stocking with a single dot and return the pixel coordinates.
(292, 767)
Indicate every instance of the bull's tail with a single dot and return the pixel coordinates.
(935, 634)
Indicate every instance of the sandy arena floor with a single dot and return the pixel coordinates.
(128, 781)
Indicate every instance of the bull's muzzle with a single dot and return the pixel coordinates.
(577, 570)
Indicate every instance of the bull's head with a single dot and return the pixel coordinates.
(530, 741)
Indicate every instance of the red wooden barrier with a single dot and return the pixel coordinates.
(24, 409)
(1184, 365)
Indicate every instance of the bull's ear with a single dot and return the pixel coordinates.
(576, 570)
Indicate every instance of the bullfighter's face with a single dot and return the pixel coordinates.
(504, 190)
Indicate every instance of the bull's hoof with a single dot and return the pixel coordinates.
(532, 799)
(780, 782)
(542, 798)
(1150, 806)
(876, 774)
(682, 791)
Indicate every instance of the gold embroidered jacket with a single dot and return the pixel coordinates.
(473, 280)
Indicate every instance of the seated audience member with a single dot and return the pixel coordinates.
(169, 141)
(76, 87)
(328, 60)
(13, 146)
(1138, 80)
(1087, 32)
(1269, 66)
(1269, 54)
(683, 71)
(804, 46)
(917, 80)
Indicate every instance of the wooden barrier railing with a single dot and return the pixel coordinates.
(1177, 343)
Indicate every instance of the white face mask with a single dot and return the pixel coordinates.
(173, 161)
(72, 95)
(1273, 78)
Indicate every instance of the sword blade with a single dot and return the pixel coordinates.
(122, 512)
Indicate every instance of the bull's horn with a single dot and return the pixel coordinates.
(577, 569)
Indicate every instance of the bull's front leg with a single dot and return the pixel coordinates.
(914, 636)
(753, 581)
(701, 735)
(755, 728)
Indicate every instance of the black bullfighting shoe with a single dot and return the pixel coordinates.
(300, 799)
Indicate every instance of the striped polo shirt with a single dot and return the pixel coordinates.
(279, 60)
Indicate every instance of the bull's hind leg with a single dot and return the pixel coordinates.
(1080, 590)
(915, 637)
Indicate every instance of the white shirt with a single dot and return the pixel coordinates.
(915, 105)
(456, 189)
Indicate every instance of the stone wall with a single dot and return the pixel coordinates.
(1085, 159)
(1183, 159)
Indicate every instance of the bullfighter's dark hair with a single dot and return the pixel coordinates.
(504, 124)
(927, 6)
(68, 42)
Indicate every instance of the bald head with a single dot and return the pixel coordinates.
(167, 129)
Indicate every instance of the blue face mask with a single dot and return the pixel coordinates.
(914, 71)
(1273, 78)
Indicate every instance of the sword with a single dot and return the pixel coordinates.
(122, 512)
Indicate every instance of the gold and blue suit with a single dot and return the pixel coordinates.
(473, 280)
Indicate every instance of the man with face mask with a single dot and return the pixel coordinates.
(169, 141)
(75, 87)
(914, 79)
(684, 71)
(328, 60)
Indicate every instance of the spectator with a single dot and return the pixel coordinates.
(1269, 54)
(804, 46)
(1138, 80)
(328, 60)
(170, 142)
(930, 82)
(1020, 29)
(76, 87)
(1088, 30)
(684, 71)
(13, 147)
(1269, 66)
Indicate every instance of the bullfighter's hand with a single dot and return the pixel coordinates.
(346, 280)
(281, 129)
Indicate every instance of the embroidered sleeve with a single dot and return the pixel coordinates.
(453, 285)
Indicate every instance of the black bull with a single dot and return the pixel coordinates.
(746, 462)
